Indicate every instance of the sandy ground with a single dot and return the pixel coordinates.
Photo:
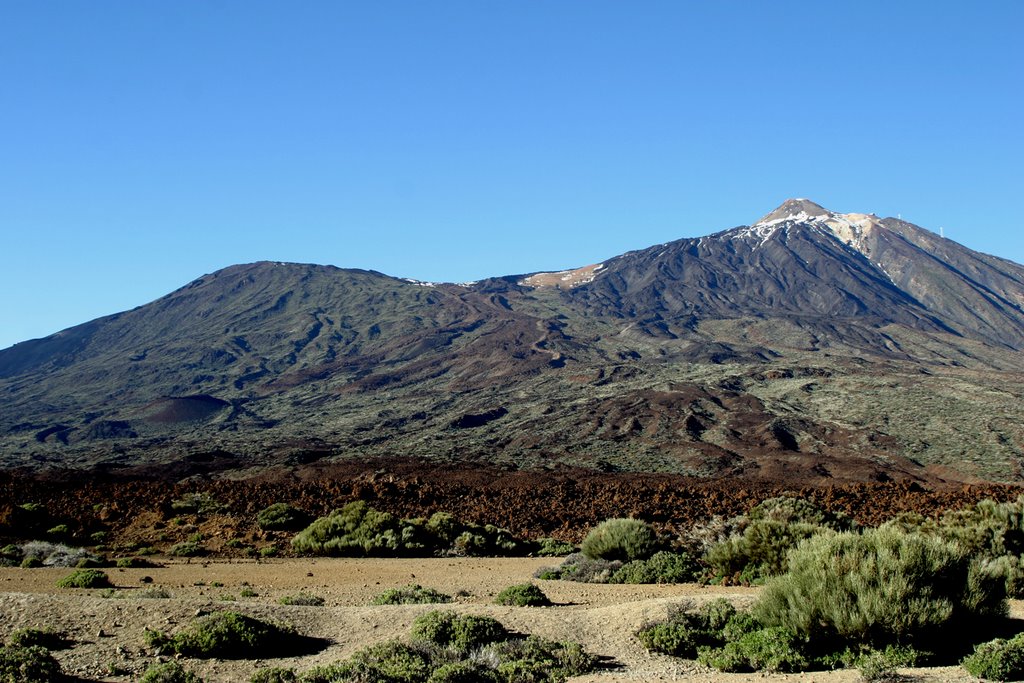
(107, 631)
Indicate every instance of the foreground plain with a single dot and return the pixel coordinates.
(108, 631)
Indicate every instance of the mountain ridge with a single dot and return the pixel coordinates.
(724, 355)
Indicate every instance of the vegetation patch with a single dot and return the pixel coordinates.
(998, 660)
(523, 595)
(44, 638)
(622, 540)
(359, 530)
(447, 648)
(662, 567)
(85, 578)
(28, 665)
(169, 672)
(282, 517)
(230, 635)
(412, 594)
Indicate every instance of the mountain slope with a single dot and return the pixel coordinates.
(810, 344)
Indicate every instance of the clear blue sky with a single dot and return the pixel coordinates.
(143, 144)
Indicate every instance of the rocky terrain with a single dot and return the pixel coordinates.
(811, 346)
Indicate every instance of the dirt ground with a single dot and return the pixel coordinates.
(108, 631)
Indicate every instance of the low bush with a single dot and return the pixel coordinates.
(793, 510)
(85, 578)
(552, 547)
(28, 665)
(186, 549)
(463, 672)
(227, 635)
(274, 675)
(766, 649)
(282, 517)
(623, 540)
(538, 659)
(169, 672)
(662, 567)
(881, 665)
(523, 595)
(998, 660)
(460, 633)
(759, 552)
(358, 530)
(34, 637)
(135, 563)
(878, 588)
(201, 503)
(447, 648)
(579, 567)
(58, 554)
(303, 599)
(389, 662)
(685, 630)
(412, 594)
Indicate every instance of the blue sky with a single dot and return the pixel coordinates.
(143, 144)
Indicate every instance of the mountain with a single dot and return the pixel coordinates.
(809, 346)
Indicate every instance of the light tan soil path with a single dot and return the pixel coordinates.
(108, 630)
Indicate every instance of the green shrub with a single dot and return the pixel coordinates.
(186, 549)
(60, 532)
(34, 637)
(202, 503)
(304, 599)
(269, 551)
(579, 567)
(389, 662)
(523, 595)
(135, 563)
(356, 529)
(226, 635)
(463, 672)
(538, 659)
(460, 633)
(878, 588)
(624, 540)
(448, 648)
(155, 594)
(247, 592)
(274, 675)
(792, 510)
(662, 567)
(552, 547)
(881, 665)
(31, 562)
(410, 595)
(28, 665)
(170, 672)
(85, 578)
(998, 660)
(766, 649)
(281, 517)
(685, 632)
(760, 551)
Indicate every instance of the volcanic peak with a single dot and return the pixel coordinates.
(852, 229)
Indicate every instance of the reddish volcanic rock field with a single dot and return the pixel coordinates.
(135, 506)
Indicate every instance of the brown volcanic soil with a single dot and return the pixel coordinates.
(135, 507)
